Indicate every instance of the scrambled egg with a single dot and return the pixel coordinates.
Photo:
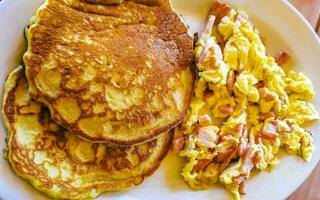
(245, 108)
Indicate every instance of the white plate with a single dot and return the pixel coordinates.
(281, 26)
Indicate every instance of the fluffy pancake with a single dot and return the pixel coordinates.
(119, 73)
(61, 164)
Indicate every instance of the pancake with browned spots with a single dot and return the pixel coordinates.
(111, 71)
(61, 164)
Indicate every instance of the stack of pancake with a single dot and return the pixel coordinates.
(102, 84)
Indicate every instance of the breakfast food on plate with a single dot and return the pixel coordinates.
(111, 71)
(245, 106)
(104, 82)
(62, 165)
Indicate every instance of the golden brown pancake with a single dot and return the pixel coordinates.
(61, 164)
(111, 71)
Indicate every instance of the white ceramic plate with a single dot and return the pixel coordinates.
(281, 26)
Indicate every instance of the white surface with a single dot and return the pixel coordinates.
(280, 25)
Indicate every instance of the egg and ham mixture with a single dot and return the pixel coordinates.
(245, 108)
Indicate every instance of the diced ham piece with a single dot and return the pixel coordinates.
(207, 138)
(202, 164)
(271, 136)
(226, 109)
(247, 164)
(208, 29)
(267, 115)
(276, 125)
(242, 189)
(212, 52)
(266, 94)
(204, 53)
(239, 129)
(239, 179)
(219, 10)
(178, 144)
(282, 57)
(260, 85)
(231, 79)
(223, 155)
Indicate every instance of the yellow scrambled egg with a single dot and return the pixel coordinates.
(245, 108)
